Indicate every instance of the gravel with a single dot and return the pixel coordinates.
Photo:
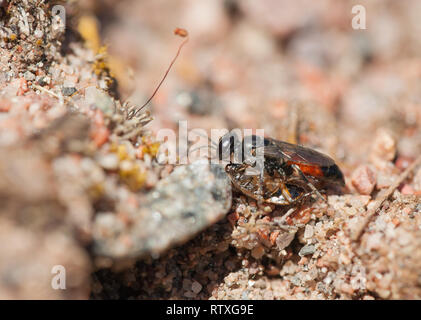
(306, 250)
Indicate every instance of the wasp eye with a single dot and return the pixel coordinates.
(221, 147)
(226, 146)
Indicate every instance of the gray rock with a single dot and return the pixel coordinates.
(100, 99)
(29, 76)
(68, 91)
(189, 200)
(306, 250)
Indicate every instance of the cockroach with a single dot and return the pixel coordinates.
(290, 173)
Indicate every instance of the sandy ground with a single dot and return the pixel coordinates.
(85, 185)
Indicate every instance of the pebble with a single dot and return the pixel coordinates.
(385, 180)
(68, 91)
(109, 162)
(407, 189)
(404, 239)
(296, 281)
(384, 148)
(364, 180)
(258, 252)
(307, 250)
(308, 232)
(245, 295)
(99, 99)
(29, 76)
(33, 109)
(196, 287)
(284, 239)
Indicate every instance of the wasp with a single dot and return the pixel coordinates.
(289, 173)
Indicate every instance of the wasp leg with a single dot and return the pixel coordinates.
(287, 198)
(283, 221)
(233, 169)
(286, 194)
(271, 193)
(260, 195)
(313, 188)
(284, 189)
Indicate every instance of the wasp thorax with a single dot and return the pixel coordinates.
(229, 148)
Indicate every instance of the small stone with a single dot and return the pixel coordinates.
(272, 271)
(296, 281)
(404, 239)
(385, 180)
(196, 287)
(308, 232)
(258, 252)
(267, 209)
(99, 99)
(109, 162)
(384, 148)
(383, 293)
(363, 179)
(68, 91)
(407, 189)
(29, 76)
(403, 162)
(284, 239)
(307, 250)
(126, 165)
(245, 295)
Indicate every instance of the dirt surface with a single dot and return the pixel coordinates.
(85, 184)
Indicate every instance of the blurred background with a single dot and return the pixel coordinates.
(273, 64)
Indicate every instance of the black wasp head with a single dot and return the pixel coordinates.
(253, 142)
(228, 145)
(253, 153)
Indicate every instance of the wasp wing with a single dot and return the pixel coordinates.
(295, 153)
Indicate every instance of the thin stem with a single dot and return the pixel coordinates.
(165, 75)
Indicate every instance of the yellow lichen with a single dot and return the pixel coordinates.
(129, 172)
(88, 29)
(133, 177)
(150, 148)
(96, 190)
(122, 152)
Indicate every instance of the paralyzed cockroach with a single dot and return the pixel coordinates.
(289, 174)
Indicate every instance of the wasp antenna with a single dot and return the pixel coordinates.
(169, 67)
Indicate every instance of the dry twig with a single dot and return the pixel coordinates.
(359, 230)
